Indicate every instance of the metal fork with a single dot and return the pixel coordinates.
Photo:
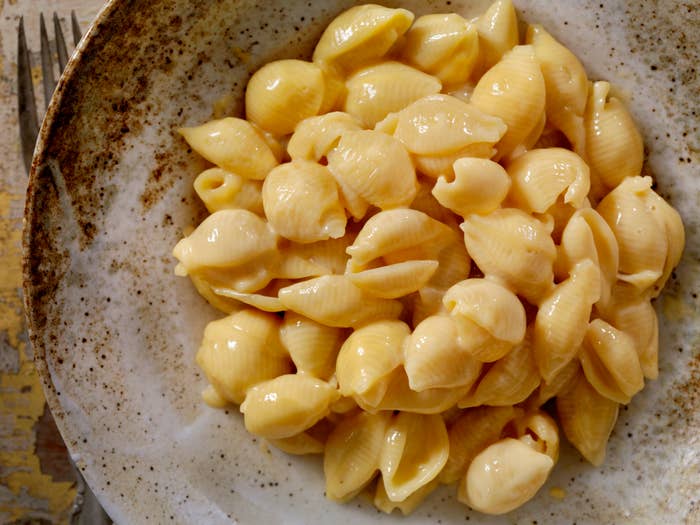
(86, 509)
(28, 115)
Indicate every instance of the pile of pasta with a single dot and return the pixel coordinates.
(420, 238)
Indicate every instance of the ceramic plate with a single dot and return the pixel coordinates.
(115, 332)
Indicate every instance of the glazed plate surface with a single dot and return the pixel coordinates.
(115, 332)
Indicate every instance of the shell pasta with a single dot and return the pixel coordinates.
(435, 251)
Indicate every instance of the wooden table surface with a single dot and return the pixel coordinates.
(37, 483)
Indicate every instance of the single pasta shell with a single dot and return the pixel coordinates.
(587, 419)
(334, 301)
(614, 147)
(509, 381)
(240, 351)
(368, 356)
(588, 236)
(512, 90)
(498, 32)
(562, 319)
(540, 176)
(375, 91)
(392, 231)
(566, 85)
(220, 190)
(445, 45)
(226, 238)
(472, 432)
(287, 405)
(360, 35)
(479, 186)
(408, 505)
(314, 137)
(673, 225)
(641, 239)
(301, 202)
(491, 306)
(312, 346)
(375, 166)
(433, 359)
(395, 280)
(610, 362)
(353, 453)
(515, 247)
(416, 447)
(441, 124)
(504, 476)
(635, 315)
(283, 93)
(234, 145)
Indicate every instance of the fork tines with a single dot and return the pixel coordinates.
(28, 116)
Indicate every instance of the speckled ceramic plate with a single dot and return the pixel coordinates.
(115, 332)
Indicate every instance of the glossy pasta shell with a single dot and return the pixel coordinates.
(540, 176)
(444, 45)
(220, 190)
(498, 32)
(395, 280)
(312, 346)
(367, 357)
(286, 405)
(241, 350)
(587, 419)
(226, 238)
(415, 450)
(361, 35)
(562, 319)
(302, 204)
(610, 362)
(588, 236)
(334, 301)
(433, 358)
(353, 453)
(614, 146)
(641, 239)
(314, 137)
(400, 234)
(491, 306)
(479, 186)
(512, 90)
(234, 145)
(566, 85)
(504, 476)
(515, 247)
(442, 124)
(283, 93)
(375, 91)
(374, 166)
